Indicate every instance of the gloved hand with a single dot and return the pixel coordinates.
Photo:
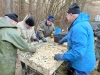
(60, 42)
(32, 48)
(58, 57)
(36, 39)
(52, 35)
(44, 40)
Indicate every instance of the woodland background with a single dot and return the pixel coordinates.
(40, 9)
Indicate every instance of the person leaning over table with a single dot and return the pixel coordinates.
(26, 28)
(46, 28)
(80, 39)
(10, 41)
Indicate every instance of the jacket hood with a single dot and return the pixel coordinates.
(4, 23)
(82, 17)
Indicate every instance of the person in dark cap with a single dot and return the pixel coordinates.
(26, 28)
(30, 21)
(81, 54)
(10, 41)
(74, 9)
(12, 17)
(46, 28)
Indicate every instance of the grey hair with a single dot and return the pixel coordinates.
(75, 15)
(7, 18)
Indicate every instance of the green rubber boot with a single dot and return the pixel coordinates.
(24, 68)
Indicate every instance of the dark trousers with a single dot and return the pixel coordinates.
(23, 65)
(72, 71)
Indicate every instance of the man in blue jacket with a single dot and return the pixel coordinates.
(81, 54)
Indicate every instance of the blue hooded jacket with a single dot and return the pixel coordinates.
(81, 53)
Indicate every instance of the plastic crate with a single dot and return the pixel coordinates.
(58, 37)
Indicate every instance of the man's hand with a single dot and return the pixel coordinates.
(44, 40)
(58, 57)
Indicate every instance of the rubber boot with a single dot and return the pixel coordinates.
(98, 69)
(24, 68)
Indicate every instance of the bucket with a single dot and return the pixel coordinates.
(57, 30)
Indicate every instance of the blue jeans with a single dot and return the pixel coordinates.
(72, 71)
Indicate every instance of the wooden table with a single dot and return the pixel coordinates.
(43, 59)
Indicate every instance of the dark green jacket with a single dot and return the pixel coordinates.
(10, 41)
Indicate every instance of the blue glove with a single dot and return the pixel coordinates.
(44, 40)
(58, 57)
(36, 39)
(60, 42)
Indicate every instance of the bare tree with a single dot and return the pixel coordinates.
(2, 7)
(12, 5)
(30, 6)
(40, 9)
(21, 9)
(7, 6)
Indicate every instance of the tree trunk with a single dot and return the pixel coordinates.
(7, 6)
(51, 6)
(30, 7)
(38, 10)
(12, 5)
(21, 9)
(83, 4)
